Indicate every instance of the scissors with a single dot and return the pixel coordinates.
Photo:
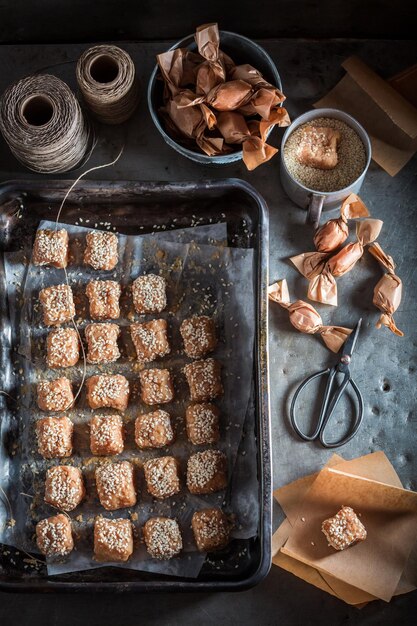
(332, 395)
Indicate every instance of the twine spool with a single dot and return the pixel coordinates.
(42, 122)
(106, 78)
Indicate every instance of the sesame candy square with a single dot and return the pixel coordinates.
(202, 423)
(64, 487)
(162, 537)
(113, 540)
(318, 147)
(161, 475)
(51, 248)
(101, 251)
(204, 380)
(62, 348)
(156, 386)
(199, 336)
(102, 343)
(153, 430)
(104, 298)
(344, 529)
(108, 391)
(149, 294)
(54, 435)
(211, 528)
(54, 536)
(207, 472)
(116, 485)
(106, 435)
(150, 340)
(58, 304)
(55, 395)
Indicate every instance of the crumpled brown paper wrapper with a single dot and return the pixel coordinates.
(374, 466)
(306, 319)
(334, 232)
(321, 273)
(389, 514)
(200, 89)
(387, 291)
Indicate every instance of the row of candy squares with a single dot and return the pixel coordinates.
(152, 431)
(115, 481)
(148, 291)
(149, 338)
(113, 538)
(51, 248)
(112, 390)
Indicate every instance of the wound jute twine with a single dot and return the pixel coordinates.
(43, 124)
(107, 81)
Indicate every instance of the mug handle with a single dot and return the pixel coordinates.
(314, 209)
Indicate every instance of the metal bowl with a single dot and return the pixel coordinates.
(241, 50)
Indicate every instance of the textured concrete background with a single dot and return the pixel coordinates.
(383, 366)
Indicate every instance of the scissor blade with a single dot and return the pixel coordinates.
(350, 342)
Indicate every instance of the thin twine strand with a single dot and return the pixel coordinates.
(91, 169)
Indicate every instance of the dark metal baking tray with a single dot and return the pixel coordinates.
(130, 205)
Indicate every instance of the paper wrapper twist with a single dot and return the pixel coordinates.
(306, 319)
(387, 291)
(198, 86)
(321, 274)
(335, 232)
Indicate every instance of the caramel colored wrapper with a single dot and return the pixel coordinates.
(342, 262)
(234, 130)
(335, 232)
(322, 287)
(387, 291)
(212, 71)
(229, 96)
(389, 515)
(200, 86)
(310, 264)
(306, 319)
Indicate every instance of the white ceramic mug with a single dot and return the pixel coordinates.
(310, 199)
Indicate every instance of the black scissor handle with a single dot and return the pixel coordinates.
(356, 425)
(294, 400)
(328, 407)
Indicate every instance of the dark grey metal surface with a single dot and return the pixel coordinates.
(308, 70)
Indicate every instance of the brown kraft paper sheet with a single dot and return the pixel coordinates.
(389, 119)
(374, 465)
(389, 515)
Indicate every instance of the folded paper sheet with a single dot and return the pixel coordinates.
(389, 119)
(390, 516)
(373, 466)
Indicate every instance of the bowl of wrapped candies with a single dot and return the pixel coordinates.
(215, 97)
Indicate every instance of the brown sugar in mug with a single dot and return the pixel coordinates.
(309, 196)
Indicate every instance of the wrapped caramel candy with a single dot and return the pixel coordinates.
(322, 286)
(306, 319)
(333, 233)
(199, 85)
(387, 291)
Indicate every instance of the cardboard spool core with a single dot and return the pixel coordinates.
(37, 110)
(104, 69)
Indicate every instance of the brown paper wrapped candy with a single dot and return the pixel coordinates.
(387, 291)
(322, 286)
(200, 87)
(306, 319)
(335, 232)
